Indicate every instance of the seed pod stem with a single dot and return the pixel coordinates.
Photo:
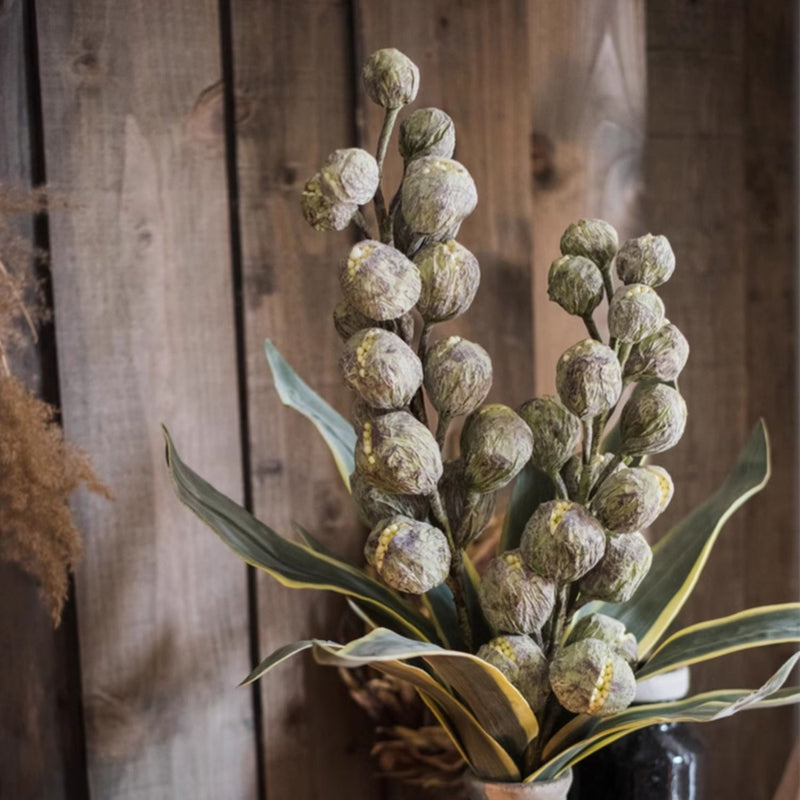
(606, 273)
(607, 472)
(418, 401)
(361, 224)
(561, 487)
(588, 320)
(384, 225)
(441, 430)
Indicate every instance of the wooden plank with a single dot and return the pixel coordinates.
(143, 301)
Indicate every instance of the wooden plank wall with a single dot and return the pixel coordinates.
(183, 133)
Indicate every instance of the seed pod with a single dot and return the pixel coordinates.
(666, 488)
(437, 194)
(348, 320)
(593, 238)
(321, 211)
(514, 598)
(374, 504)
(361, 412)
(658, 357)
(468, 515)
(381, 368)
(350, 176)
(495, 445)
(619, 572)
(576, 284)
(588, 677)
(427, 132)
(652, 420)
(629, 500)
(411, 556)
(458, 376)
(608, 630)
(635, 311)
(522, 661)
(573, 470)
(648, 259)
(450, 277)
(390, 78)
(380, 281)
(398, 454)
(556, 432)
(588, 378)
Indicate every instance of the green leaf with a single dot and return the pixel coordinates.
(481, 629)
(277, 657)
(531, 488)
(291, 564)
(295, 393)
(442, 608)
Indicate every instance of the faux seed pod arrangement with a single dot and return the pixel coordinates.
(534, 665)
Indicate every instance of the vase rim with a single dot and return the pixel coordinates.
(555, 789)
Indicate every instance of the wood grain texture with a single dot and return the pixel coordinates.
(144, 315)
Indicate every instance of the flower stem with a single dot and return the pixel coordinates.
(588, 320)
(380, 203)
(609, 286)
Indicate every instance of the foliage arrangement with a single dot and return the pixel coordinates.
(532, 666)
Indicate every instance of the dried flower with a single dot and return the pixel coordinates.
(322, 212)
(619, 572)
(593, 238)
(556, 432)
(522, 661)
(576, 284)
(648, 259)
(374, 504)
(652, 420)
(635, 311)
(630, 500)
(589, 379)
(608, 630)
(350, 176)
(458, 376)
(450, 277)
(573, 470)
(390, 78)
(665, 485)
(348, 320)
(427, 132)
(658, 357)
(469, 513)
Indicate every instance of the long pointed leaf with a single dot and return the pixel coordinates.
(442, 608)
(277, 657)
(531, 488)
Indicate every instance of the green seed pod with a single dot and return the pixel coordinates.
(380, 281)
(321, 211)
(658, 357)
(629, 500)
(589, 379)
(666, 487)
(374, 504)
(562, 541)
(390, 78)
(593, 238)
(576, 284)
(398, 454)
(514, 598)
(619, 572)
(495, 445)
(350, 176)
(450, 277)
(409, 555)
(635, 312)
(573, 470)
(522, 661)
(437, 194)
(588, 677)
(458, 376)
(556, 432)
(361, 412)
(427, 132)
(608, 630)
(381, 368)
(652, 420)
(648, 259)
(468, 515)
(348, 320)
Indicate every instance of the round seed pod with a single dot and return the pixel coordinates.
(409, 555)
(437, 194)
(514, 598)
(658, 357)
(593, 238)
(588, 379)
(608, 630)
(588, 677)
(398, 454)
(573, 470)
(556, 432)
(620, 571)
(562, 541)
(653, 420)
(665, 485)
(427, 132)
(450, 277)
(381, 368)
(576, 284)
(648, 259)
(322, 212)
(635, 312)
(350, 176)
(361, 412)
(522, 661)
(629, 500)
(374, 504)
(457, 503)
(458, 376)
(495, 445)
(390, 78)
(348, 320)
(379, 281)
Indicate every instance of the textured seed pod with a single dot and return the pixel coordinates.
(666, 487)
(379, 281)
(450, 277)
(576, 284)
(635, 312)
(381, 368)
(409, 555)
(495, 445)
(588, 677)
(361, 412)
(374, 504)
(556, 432)
(322, 212)
(592, 238)
(437, 194)
(398, 454)
(658, 357)
(390, 78)
(608, 630)
(619, 572)
(574, 468)
(427, 132)
(522, 661)
(648, 259)
(458, 376)
(629, 500)
(514, 598)
(562, 541)
(467, 519)
(350, 176)
(652, 420)
(348, 320)
(588, 378)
